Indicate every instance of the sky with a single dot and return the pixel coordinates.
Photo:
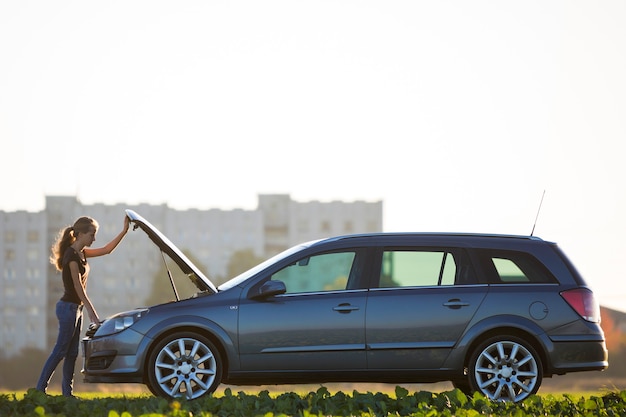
(457, 114)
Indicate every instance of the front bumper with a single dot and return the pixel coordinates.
(114, 358)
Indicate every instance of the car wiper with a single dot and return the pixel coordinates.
(169, 274)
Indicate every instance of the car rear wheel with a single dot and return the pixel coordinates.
(463, 385)
(505, 368)
(184, 365)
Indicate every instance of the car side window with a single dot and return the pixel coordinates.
(417, 268)
(316, 273)
(513, 267)
(509, 271)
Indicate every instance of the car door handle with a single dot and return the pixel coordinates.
(455, 303)
(345, 308)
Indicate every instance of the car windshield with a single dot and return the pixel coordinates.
(254, 270)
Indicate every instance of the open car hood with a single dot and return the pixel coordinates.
(185, 265)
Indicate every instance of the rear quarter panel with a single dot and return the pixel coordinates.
(536, 310)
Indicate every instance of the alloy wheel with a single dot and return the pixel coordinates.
(506, 370)
(185, 367)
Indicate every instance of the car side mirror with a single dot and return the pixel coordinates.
(271, 288)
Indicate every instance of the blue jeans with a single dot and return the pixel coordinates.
(70, 317)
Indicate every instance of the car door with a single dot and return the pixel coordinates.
(318, 324)
(424, 300)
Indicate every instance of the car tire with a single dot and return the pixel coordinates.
(463, 385)
(184, 365)
(505, 368)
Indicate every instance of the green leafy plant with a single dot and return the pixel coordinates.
(314, 404)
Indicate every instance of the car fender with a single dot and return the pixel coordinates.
(180, 323)
(499, 324)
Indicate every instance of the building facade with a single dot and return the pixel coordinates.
(30, 286)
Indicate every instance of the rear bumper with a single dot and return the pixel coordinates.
(578, 355)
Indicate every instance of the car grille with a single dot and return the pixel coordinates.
(99, 363)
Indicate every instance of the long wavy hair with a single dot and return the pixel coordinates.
(67, 236)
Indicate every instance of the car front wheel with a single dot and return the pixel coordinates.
(184, 365)
(505, 368)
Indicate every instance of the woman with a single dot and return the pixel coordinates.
(69, 255)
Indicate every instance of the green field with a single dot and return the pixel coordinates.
(321, 402)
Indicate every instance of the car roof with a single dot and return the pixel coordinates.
(427, 238)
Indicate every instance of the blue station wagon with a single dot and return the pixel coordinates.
(491, 313)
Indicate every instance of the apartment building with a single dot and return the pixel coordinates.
(23, 292)
(30, 286)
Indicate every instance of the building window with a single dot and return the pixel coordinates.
(32, 254)
(32, 291)
(9, 274)
(32, 236)
(9, 236)
(303, 226)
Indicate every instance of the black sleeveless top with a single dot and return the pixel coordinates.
(70, 294)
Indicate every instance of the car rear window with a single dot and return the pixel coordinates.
(513, 267)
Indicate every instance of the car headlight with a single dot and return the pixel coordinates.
(121, 321)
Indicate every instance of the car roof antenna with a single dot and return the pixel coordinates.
(538, 210)
(169, 274)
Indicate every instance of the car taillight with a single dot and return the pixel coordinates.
(584, 303)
